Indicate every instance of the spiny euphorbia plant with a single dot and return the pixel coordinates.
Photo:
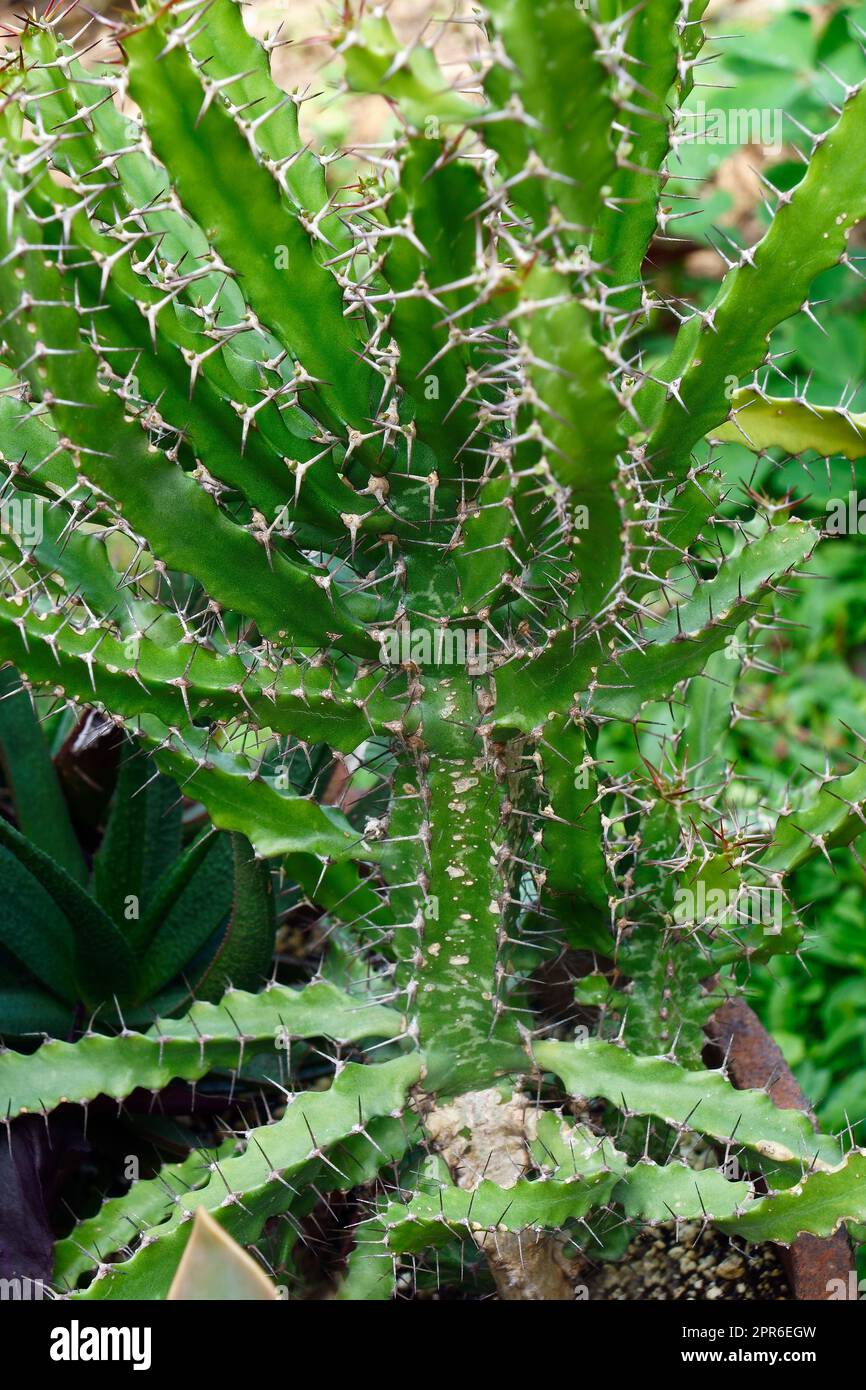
(384, 467)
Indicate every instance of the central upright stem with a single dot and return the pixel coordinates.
(460, 971)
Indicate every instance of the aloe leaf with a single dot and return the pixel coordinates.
(189, 922)
(246, 946)
(34, 929)
(142, 838)
(26, 1008)
(104, 966)
(40, 809)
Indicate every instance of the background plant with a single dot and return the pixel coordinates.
(429, 400)
(149, 926)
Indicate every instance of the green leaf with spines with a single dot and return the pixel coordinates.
(676, 647)
(556, 148)
(209, 1037)
(818, 1206)
(137, 676)
(120, 1219)
(274, 821)
(675, 1192)
(173, 103)
(431, 1220)
(760, 422)
(702, 1101)
(651, 56)
(568, 376)
(374, 62)
(808, 234)
(234, 603)
(262, 1177)
(184, 524)
(440, 198)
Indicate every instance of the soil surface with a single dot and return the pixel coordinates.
(693, 1264)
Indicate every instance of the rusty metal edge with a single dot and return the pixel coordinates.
(756, 1062)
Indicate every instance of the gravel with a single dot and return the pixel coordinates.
(691, 1264)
